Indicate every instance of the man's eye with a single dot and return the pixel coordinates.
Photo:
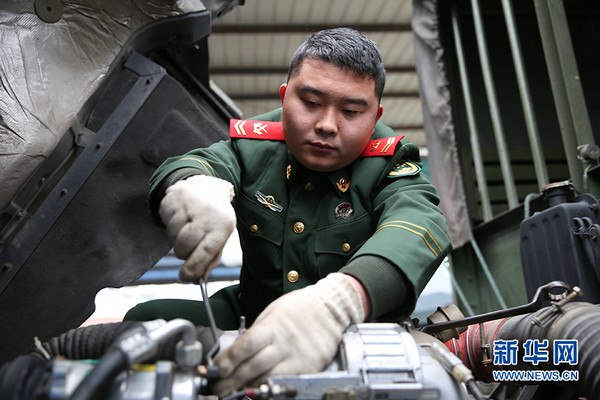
(311, 103)
(351, 112)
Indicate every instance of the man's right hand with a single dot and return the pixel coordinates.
(199, 218)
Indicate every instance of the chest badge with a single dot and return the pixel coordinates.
(404, 168)
(343, 210)
(268, 201)
(343, 185)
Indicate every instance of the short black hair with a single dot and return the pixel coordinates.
(345, 47)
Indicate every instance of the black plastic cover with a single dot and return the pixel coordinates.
(562, 243)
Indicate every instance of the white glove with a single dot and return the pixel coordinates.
(199, 218)
(297, 333)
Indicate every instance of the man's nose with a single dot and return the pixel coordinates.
(327, 122)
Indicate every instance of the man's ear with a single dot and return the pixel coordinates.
(282, 91)
(379, 113)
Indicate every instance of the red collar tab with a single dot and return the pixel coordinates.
(381, 147)
(251, 129)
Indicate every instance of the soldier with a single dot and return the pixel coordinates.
(337, 223)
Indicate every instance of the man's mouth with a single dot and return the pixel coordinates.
(321, 146)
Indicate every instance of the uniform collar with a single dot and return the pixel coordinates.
(340, 179)
(294, 168)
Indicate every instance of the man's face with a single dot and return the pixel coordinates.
(329, 114)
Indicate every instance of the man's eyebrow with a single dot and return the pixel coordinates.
(309, 89)
(358, 101)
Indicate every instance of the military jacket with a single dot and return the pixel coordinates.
(297, 225)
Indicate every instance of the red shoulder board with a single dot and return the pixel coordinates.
(250, 129)
(381, 147)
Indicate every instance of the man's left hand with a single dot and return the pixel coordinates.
(297, 333)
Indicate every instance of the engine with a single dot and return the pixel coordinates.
(374, 361)
(450, 358)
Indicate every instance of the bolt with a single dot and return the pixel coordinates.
(594, 231)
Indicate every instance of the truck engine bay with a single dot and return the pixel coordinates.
(173, 360)
(106, 133)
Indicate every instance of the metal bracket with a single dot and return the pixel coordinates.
(550, 314)
(588, 232)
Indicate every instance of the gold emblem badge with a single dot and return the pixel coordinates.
(343, 185)
(404, 168)
(288, 172)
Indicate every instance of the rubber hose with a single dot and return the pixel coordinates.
(577, 321)
(91, 342)
(21, 379)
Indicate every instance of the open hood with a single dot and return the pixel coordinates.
(94, 96)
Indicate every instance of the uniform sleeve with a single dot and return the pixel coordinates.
(219, 160)
(411, 237)
(396, 291)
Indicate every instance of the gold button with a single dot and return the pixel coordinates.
(346, 247)
(253, 228)
(293, 276)
(298, 227)
(309, 186)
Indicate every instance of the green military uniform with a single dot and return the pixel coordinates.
(376, 219)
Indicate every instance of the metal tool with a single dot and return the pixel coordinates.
(544, 293)
(211, 322)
